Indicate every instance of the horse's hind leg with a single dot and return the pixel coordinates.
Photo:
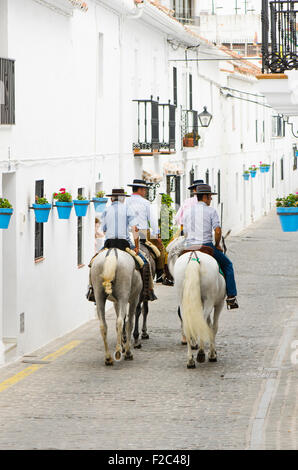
(128, 325)
(104, 330)
(137, 343)
(145, 315)
(201, 352)
(121, 313)
(214, 328)
(190, 363)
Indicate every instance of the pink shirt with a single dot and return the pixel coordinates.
(191, 201)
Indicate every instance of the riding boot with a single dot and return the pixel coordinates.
(148, 292)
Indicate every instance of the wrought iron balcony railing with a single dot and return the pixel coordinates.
(156, 127)
(279, 21)
(7, 91)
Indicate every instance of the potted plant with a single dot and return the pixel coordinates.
(41, 209)
(246, 175)
(188, 140)
(81, 205)
(6, 211)
(100, 201)
(287, 210)
(253, 170)
(264, 167)
(63, 203)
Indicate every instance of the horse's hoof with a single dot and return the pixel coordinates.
(201, 356)
(212, 359)
(194, 346)
(145, 336)
(184, 343)
(128, 357)
(137, 346)
(109, 362)
(118, 356)
(191, 365)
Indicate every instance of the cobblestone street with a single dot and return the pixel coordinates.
(248, 399)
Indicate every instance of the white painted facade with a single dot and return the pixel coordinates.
(76, 76)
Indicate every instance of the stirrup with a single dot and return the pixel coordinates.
(232, 303)
(90, 294)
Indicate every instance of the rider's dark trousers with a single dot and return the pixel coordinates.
(227, 268)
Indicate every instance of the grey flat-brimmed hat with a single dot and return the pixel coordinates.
(204, 189)
(139, 184)
(117, 192)
(195, 184)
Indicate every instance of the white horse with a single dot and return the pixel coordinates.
(114, 277)
(201, 291)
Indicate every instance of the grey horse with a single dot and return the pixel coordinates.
(114, 277)
(143, 304)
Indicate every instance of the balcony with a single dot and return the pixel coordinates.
(279, 78)
(189, 130)
(156, 128)
(279, 20)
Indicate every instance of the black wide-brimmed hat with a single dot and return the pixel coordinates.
(139, 184)
(195, 184)
(118, 192)
(204, 189)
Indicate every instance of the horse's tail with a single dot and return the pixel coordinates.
(194, 323)
(109, 271)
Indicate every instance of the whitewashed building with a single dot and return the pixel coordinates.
(75, 80)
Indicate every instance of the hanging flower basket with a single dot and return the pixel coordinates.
(253, 173)
(100, 201)
(6, 211)
(42, 212)
(264, 167)
(5, 215)
(64, 203)
(287, 210)
(81, 207)
(246, 176)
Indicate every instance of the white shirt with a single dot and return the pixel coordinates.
(199, 221)
(144, 213)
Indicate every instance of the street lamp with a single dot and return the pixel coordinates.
(205, 117)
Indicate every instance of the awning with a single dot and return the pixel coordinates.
(173, 168)
(151, 177)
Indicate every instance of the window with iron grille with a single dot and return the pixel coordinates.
(272, 170)
(7, 92)
(80, 235)
(207, 176)
(190, 91)
(218, 187)
(175, 86)
(282, 169)
(278, 126)
(177, 191)
(39, 192)
(295, 154)
(256, 130)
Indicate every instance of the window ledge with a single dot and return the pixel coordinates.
(39, 260)
(80, 266)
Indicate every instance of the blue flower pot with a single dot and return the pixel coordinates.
(246, 176)
(81, 207)
(253, 173)
(288, 217)
(267, 168)
(64, 209)
(41, 212)
(263, 169)
(5, 215)
(100, 203)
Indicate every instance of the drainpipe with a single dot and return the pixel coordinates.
(136, 15)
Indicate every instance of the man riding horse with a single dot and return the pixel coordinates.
(199, 220)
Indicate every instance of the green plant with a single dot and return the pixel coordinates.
(62, 196)
(166, 218)
(81, 197)
(100, 194)
(41, 200)
(246, 172)
(264, 164)
(290, 201)
(253, 168)
(5, 204)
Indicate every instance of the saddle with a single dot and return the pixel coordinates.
(152, 248)
(202, 248)
(122, 245)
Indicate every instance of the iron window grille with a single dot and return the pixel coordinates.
(39, 238)
(189, 128)
(295, 155)
(207, 176)
(148, 125)
(278, 126)
(282, 169)
(7, 91)
(218, 187)
(168, 127)
(279, 21)
(175, 86)
(183, 10)
(80, 235)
